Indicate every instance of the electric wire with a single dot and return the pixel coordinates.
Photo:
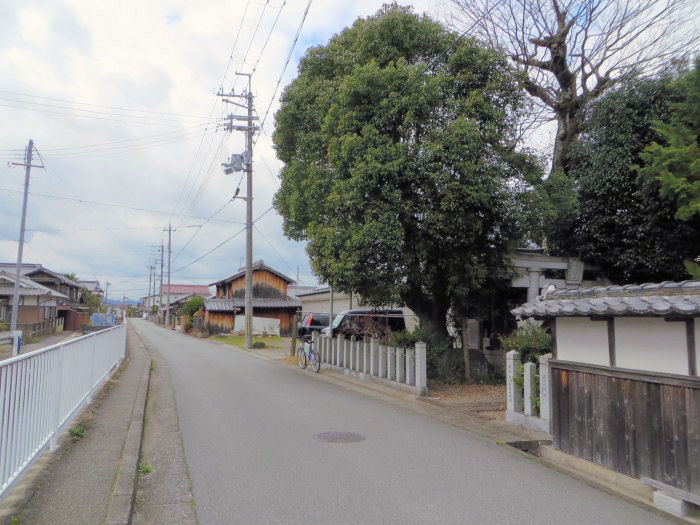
(272, 29)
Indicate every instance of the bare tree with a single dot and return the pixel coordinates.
(574, 50)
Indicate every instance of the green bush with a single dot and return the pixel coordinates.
(258, 344)
(530, 340)
(191, 306)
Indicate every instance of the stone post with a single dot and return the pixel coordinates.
(335, 349)
(545, 405)
(344, 343)
(389, 362)
(421, 368)
(358, 353)
(353, 352)
(382, 362)
(373, 350)
(400, 366)
(529, 379)
(410, 366)
(514, 398)
(365, 355)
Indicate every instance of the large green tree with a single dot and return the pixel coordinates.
(396, 139)
(625, 226)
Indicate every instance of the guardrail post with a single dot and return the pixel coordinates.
(514, 397)
(421, 367)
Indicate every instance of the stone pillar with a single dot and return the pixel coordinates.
(344, 342)
(400, 366)
(353, 352)
(514, 398)
(389, 362)
(410, 366)
(365, 355)
(533, 289)
(545, 404)
(529, 379)
(373, 350)
(382, 361)
(421, 368)
(358, 353)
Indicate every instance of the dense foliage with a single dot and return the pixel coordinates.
(402, 181)
(625, 226)
(192, 305)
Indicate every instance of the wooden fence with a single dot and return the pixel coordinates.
(644, 425)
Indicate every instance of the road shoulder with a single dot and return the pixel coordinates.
(164, 493)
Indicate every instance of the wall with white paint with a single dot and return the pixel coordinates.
(583, 341)
(651, 343)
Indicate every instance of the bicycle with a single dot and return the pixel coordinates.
(306, 354)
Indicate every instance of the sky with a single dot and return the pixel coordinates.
(119, 100)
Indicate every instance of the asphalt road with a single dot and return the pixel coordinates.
(249, 430)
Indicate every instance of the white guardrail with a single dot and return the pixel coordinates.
(41, 390)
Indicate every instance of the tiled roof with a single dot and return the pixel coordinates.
(30, 268)
(228, 305)
(26, 287)
(199, 289)
(653, 299)
(257, 265)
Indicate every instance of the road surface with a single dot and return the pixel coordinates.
(249, 429)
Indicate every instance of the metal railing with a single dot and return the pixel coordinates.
(41, 390)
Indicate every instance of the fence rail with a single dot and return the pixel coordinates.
(396, 366)
(30, 330)
(41, 390)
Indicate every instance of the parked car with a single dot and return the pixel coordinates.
(312, 323)
(361, 322)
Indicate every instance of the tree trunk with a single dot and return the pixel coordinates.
(568, 130)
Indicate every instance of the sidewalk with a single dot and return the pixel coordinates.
(6, 349)
(76, 484)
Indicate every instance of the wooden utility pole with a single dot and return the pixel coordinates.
(20, 248)
(167, 307)
(295, 322)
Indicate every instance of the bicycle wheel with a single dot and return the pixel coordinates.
(315, 361)
(301, 357)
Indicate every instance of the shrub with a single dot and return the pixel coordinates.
(530, 340)
(258, 344)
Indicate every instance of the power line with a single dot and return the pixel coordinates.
(286, 62)
(255, 66)
(115, 205)
(222, 242)
(100, 105)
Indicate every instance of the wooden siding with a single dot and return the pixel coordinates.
(639, 424)
(265, 284)
(224, 321)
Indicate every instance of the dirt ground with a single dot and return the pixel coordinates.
(468, 393)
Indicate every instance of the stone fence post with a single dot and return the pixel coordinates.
(545, 405)
(421, 368)
(514, 398)
(529, 379)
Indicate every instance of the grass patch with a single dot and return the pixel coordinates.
(145, 469)
(15, 520)
(239, 340)
(78, 431)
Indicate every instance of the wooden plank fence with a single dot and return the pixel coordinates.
(644, 425)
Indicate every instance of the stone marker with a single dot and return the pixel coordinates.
(514, 397)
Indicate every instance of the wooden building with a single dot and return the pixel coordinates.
(270, 299)
(624, 381)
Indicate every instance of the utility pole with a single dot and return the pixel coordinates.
(148, 297)
(106, 293)
(238, 163)
(160, 287)
(18, 269)
(167, 308)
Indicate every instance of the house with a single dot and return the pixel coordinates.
(38, 304)
(270, 299)
(69, 307)
(623, 379)
(178, 292)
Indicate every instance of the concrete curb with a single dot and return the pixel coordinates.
(121, 501)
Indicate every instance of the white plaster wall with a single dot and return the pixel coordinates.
(651, 343)
(583, 341)
(697, 346)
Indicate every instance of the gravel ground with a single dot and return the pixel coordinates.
(468, 393)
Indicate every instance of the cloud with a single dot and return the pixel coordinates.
(159, 64)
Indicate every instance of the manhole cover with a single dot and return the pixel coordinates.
(339, 437)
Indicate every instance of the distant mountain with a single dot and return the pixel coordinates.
(118, 302)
